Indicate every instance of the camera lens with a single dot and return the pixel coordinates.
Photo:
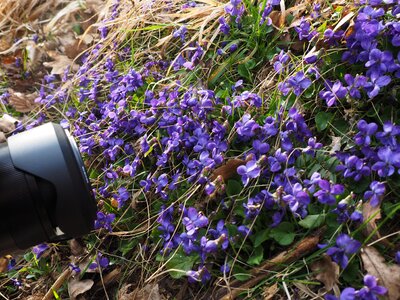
(45, 193)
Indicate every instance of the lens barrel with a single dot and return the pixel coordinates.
(45, 194)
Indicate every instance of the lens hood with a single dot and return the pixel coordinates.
(46, 172)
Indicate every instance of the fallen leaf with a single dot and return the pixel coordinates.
(150, 291)
(277, 18)
(228, 170)
(22, 102)
(3, 264)
(7, 123)
(326, 271)
(270, 291)
(335, 144)
(60, 63)
(5, 43)
(388, 274)
(373, 214)
(35, 55)
(76, 248)
(77, 287)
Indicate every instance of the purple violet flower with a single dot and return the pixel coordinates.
(371, 289)
(297, 200)
(104, 221)
(363, 137)
(388, 160)
(333, 93)
(397, 257)
(201, 275)
(345, 246)
(298, 83)
(249, 171)
(181, 33)
(376, 193)
(194, 220)
(304, 30)
(328, 191)
(224, 26)
(39, 250)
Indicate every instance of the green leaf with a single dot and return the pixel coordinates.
(261, 236)
(340, 126)
(241, 274)
(361, 186)
(250, 64)
(257, 256)
(127, 245)
(322, 120)
(244, 72)
(312, 221)
(179, 264)
(283, 234)
(233, 187)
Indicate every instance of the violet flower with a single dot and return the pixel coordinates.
(345, 246)
(224, 26)
(194, 220)
(328, 191)
(363, 137)
(249, 171)
(371, 289)
(397, 257)
(333, 93)
(388, 160)
(104, 221)
(201, 275)
(39, 250)
(376, 193)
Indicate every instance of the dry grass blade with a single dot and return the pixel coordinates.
(66, 11)
(57, 284)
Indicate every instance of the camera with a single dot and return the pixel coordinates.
(45, 193)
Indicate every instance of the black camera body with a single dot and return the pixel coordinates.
(45, 193)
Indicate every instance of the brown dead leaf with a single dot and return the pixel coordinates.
(60, 63)
(76, 248)
(5, 43)
(22, 102)
(270, 291)
(388, 274)
(35, 297)
(126, 293)
(149, 292)
(277, 18)
(77, 287)
(373, 214)
(3, 264)
(327, 271)
(7, 123)
(228, 170)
